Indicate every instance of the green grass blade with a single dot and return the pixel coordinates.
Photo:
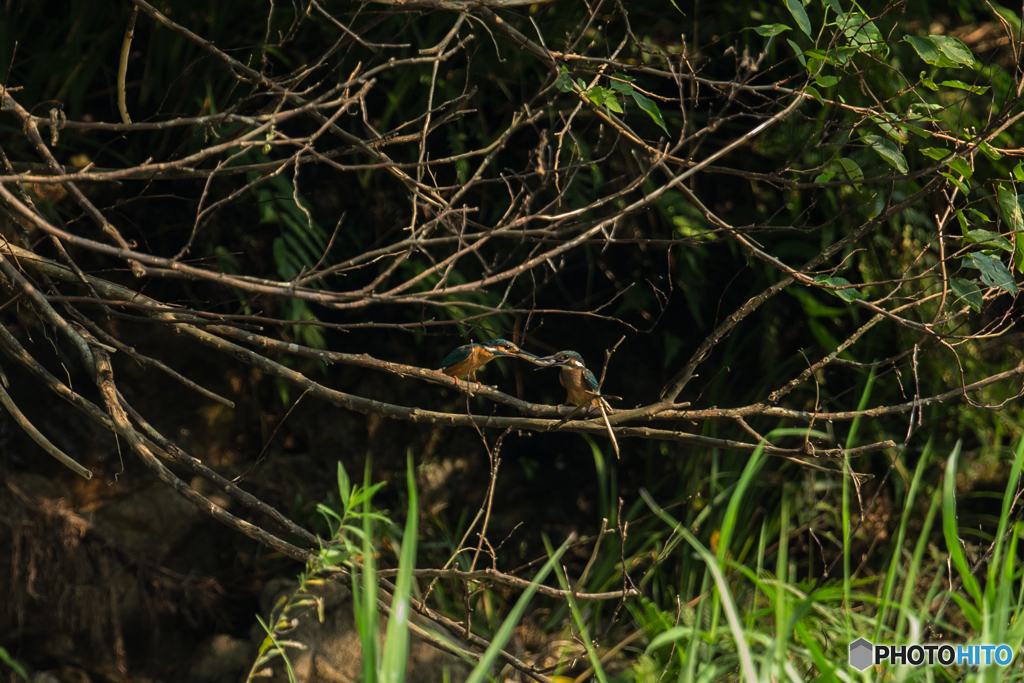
(7, 659)
(396, 643)
(861, 406)
(504, 633)
(891, 576)
(1004, 518)
(728, 526)
(271, 640)
(601, 469)
(728, 604)
(915, 566)
(1008, 629)
(847, 477)
(782, 576)
(366, 607)
(751, 470)
(949, 527)
(584, 635)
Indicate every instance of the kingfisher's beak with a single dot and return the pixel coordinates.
(543, 362)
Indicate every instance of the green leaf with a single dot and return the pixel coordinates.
(966, 292)
(649, 106)
(841, 56)
(770, 29)
(849, 169)
(993, 272)
(797, 10)
(925, 108)
(928, 83)
(1018, 172)
(937, 153)
(962, 220)
(989, 238)
(328, 512)
(1010, 206)
(891, 130)
(813, 92)
(929, 51)
(833, 5)
(796, 49)
(862, 33)
(954, 49)
(824, 177)
(564, 81)
(9, 661)
(990, 151)
(1018, 255)
(344, 485)
(613, 104)
(980, 215)
(599, 95)
(916, 130)
(960, 85)
(825, 81)
(961, 166)
(963, 187)
(888, 151)
(621, 83)
(846, 295)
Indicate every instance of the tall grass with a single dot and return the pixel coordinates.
(746, 612)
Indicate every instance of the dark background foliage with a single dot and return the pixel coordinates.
(122, 557)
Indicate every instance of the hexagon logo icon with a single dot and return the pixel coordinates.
(861, 654)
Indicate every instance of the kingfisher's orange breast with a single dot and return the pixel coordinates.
(476, 359)
(574, 387)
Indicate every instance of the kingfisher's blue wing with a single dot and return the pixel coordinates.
(590, 380)
(457, 355)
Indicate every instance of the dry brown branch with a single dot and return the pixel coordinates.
(494, 576)
(622, 184)
(37, 436)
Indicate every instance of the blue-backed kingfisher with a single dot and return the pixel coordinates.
(579, 382)
(466, 360)
(582, 387)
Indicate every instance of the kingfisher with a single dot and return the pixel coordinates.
(582, 387)
(466, 360)
(579, 382)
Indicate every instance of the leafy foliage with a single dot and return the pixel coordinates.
(822, 232)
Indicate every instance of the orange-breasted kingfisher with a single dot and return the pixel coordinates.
(579, 382)
(582, 387)
(466, 360)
